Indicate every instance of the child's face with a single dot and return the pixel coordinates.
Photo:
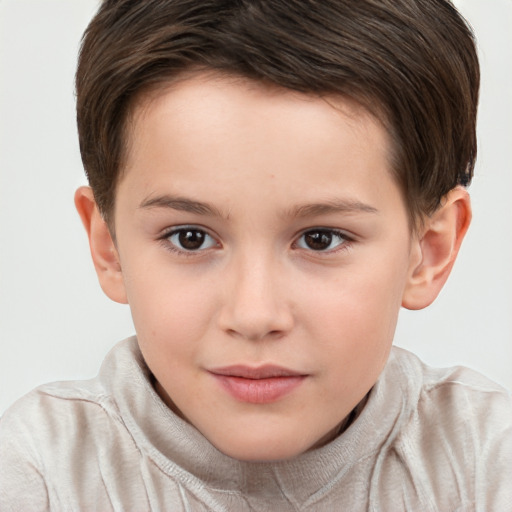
(264, 248)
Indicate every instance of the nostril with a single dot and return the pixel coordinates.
(255, 334)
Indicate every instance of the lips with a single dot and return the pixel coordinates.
(260, 385)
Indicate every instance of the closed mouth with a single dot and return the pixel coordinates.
(256, 373)
(258, 385)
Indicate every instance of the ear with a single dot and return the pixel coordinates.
(435, 249)
(103, 249)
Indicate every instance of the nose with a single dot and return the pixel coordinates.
(256, 303)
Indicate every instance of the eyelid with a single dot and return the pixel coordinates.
(347, 237)
(167, 233)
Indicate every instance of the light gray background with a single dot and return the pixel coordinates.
(55, 322)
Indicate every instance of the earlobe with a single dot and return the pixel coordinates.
(103, 249)
(434, 251)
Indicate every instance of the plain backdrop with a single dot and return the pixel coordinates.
(55, 323)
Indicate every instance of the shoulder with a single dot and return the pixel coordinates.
(66, 406)
(36, 434)
(53, 442)
(59, 410)
(455, 396)
(54, 404)
(457, 433)
(41, 426)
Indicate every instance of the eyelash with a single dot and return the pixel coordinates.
(176, 231)
(344, 240)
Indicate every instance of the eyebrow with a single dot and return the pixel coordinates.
(182, 204)
(345, 206)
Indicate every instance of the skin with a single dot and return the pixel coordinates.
(258, 171)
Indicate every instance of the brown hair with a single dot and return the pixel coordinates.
(413, 63)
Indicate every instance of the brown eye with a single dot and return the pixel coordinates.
(321, 239)
(191, 239)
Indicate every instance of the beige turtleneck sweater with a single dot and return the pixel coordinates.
(426, 440)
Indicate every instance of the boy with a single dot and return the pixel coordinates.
(270, 182)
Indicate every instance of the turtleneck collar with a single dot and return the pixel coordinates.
(178, 448)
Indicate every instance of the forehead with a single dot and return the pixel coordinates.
(207, 96)
(209, 129)
(206, 99)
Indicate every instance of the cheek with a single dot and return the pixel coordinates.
(168, 307)
(357, 304)
(354, 317)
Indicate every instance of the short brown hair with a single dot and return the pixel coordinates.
(412, 63)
